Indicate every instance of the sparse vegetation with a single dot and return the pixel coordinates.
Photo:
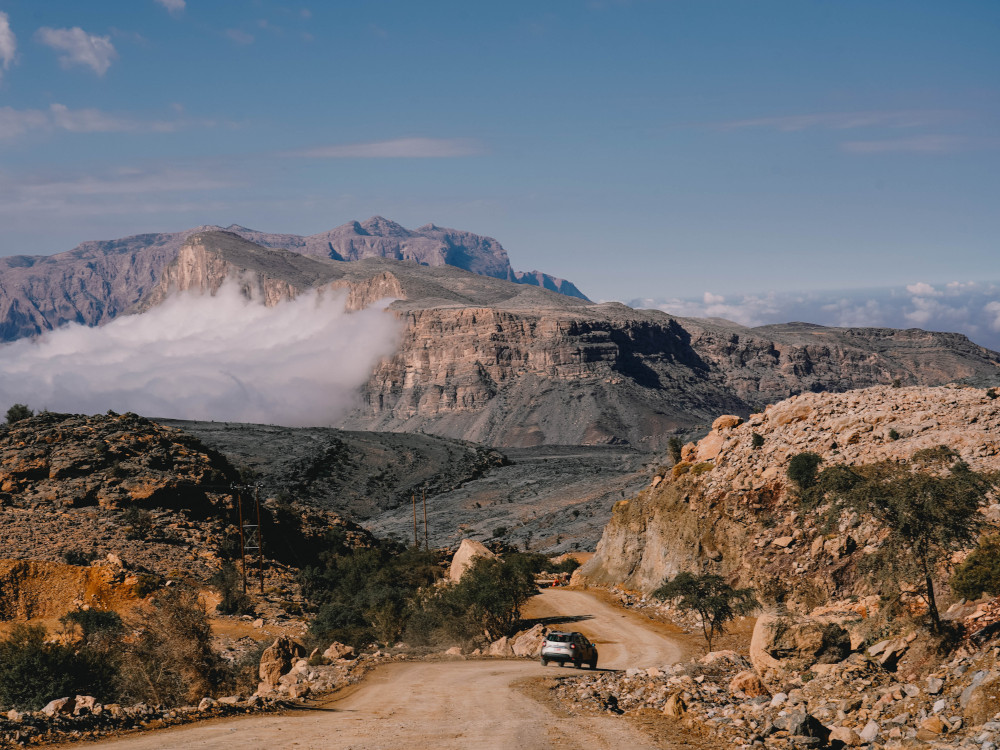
(18, 412)
(926, 514)
(138, 523)
(675, 446)
(802, 469)
(979, 573)
(711, 597)
(893, 434)
(229, 583)
(756, 440)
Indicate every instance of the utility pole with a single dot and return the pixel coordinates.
(260, 538)
(413, 497)
(243, 559)
(426, 545)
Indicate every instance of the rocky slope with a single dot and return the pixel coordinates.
(501, 364)
(97, 281)
(727, 507)
(70, 486)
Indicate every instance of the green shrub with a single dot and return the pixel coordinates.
(94, 624)
(33, 672)
(756, 440)
(893, 434)
(675, 446)
(980, 572)
(701, 468)
(499, 531)
(78, 557)
(711, 597)
(138, 523)
(566, 566)
(229, 583)
(802, 469)
(680, 469)
(18, 412)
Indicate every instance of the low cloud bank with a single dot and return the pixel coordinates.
(222, 357)
(972, 308)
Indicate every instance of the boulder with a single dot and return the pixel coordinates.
(468, 550)
(278, 658)
(85, 704)
(675, 706)
(726, 422)
(206, 703)
(846, 736)
(782, 643)
(501, 647)
(338, 651)
(982, 702)
(748, 683)
(59, 706)
(529, 643)
(454, 651)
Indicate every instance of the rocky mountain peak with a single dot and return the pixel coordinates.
(379, 226)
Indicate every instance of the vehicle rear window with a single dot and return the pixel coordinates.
(560, 638)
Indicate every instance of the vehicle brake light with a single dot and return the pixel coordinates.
(572, 645)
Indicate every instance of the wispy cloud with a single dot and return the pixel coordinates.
(400, 148)
(17, 122)
(174, 7)
(8, 43)
(919, 144)
(122, 191)
(240, 37)
(79, 48)
(972, 308)
(846, 120)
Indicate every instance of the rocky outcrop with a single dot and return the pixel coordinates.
(464, 557)
(733, 514)
(784, 644)
(277, 660)
(44, 589)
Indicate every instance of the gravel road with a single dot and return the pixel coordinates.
(451, 705)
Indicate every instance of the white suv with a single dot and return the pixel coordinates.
(564, 647)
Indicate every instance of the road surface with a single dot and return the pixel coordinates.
(450, 705)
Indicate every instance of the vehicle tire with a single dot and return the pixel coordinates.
(593, 663)
(578, 664)
(545, 662)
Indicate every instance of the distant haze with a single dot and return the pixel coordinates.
(299, 363)
(971, 308)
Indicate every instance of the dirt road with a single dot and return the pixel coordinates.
(450, 705)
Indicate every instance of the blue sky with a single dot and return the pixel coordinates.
(658, 150)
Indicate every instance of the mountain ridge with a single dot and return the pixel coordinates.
(101, 279)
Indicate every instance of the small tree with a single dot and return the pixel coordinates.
(18, 412)
(711, 597)
(926, 514)
(675, 446)
(980, 572)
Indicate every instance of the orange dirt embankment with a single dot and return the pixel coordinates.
(39, 589)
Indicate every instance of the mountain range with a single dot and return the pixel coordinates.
(503, 364)
(97, 281)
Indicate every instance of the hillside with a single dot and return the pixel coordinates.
(501, 364)
(736, 514)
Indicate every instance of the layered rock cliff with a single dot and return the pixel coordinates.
(492, 362)
(727, 507)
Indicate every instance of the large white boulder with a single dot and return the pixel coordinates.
(468, 550)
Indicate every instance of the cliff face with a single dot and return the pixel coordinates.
(502, 364)
(727, 509)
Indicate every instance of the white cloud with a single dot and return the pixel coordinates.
(971, 308)
(299, 363)
(17, 122)
(79, 48)
(922, 289)
(845, 120)
(174, 7)
(240, 37)
(400, 148)
(919, 144)
(993, 310)
(8, 43)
